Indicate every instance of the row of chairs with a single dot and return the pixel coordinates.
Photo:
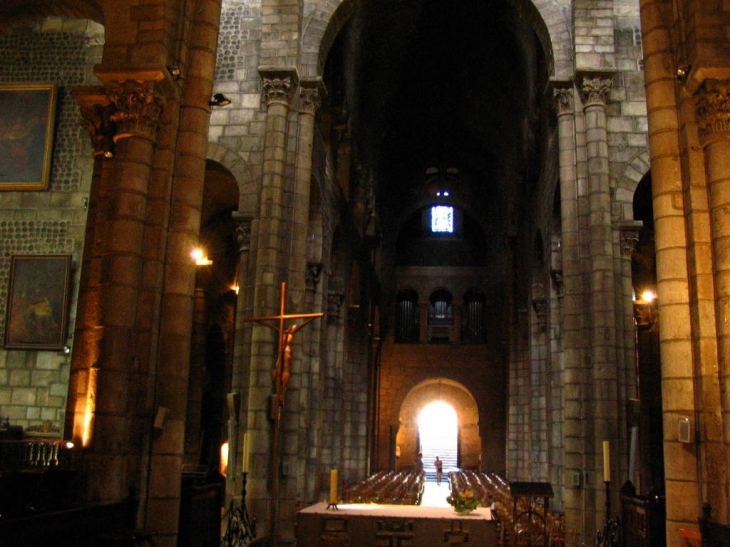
(494, 491)
(404, 487)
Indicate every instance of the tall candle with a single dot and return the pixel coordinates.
(606, 462)
(333, 486)
(245, 455)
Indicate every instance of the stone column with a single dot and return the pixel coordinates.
(626, 335)
(100, 391)
(712, 102)
(271, 236)
(573, 306)
(301, 276)
(679, 321)
(595, 89)
(96, 110)
(310, 98)
(172, 350)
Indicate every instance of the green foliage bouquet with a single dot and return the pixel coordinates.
(463, 502)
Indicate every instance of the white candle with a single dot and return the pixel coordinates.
(333, 486)
(606, 462)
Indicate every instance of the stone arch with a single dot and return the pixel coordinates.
(626, 183)
(25, 13)
(463, 402)
(321, 27)
(241, 171)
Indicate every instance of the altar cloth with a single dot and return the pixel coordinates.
(370, 525)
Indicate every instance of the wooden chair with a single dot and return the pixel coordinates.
(690, 538)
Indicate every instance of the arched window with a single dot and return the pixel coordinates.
(440, 316)
(406, 317)
(473, 320)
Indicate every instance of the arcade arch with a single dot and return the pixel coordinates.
(453, 394)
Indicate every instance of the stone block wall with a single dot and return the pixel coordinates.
(34, 384)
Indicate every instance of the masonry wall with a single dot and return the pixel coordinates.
(33, 384)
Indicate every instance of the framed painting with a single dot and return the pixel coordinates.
(27, 116)
(38, 297)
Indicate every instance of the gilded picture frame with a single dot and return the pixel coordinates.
(36, 314)
(27, 118)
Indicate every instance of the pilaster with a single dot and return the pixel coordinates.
(712, 104)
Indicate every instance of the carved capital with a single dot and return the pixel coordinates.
(314, 271)
(541, 307)
(712, 105)
(563, 99)
(96, 118)
(243, 232)
(311, 93)
(629, 238)
(278, 85)
(334, 305)
(595, 88)
(137, 109)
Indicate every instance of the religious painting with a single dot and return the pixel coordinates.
(27, 115)
(37, 307)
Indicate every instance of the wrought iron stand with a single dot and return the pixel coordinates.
(610, 536)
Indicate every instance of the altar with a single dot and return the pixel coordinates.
(375, 525)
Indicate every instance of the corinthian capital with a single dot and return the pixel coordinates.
(243, 231)
(137, 109)
(278, 85)
(595, 88)
(310, 95)
(712, 104)
(96, 118)
(563, 99)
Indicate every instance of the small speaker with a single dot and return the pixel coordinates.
(577, 482)
(160, 417)
(684, 430)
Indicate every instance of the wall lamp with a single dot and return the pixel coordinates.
(683, 72)
(200, 258)
(219, 100)
(174, 72)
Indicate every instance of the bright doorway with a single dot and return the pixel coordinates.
(438, 433)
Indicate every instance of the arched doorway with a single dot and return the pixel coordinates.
(443, 394)
(438, 434)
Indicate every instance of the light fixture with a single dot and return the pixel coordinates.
(683, 72)
(174, 72)
(219, 100)
(200, 258)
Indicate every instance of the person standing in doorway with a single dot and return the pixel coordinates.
(439, 465)
(419, 462)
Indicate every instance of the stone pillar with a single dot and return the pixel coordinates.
(595, 89)
(712, 102)
(96, 110)
(271, 236)
(310, 98)
(626, 340)
(178, 273)
(100, 394)
(573, 306)
(677, 326)
(303, 278)
(240, 378)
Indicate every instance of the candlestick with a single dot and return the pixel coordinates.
(333, 487)
(606, 461)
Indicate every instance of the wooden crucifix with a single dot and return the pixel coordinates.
(286, 328)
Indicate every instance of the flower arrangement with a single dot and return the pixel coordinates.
(463, 502)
